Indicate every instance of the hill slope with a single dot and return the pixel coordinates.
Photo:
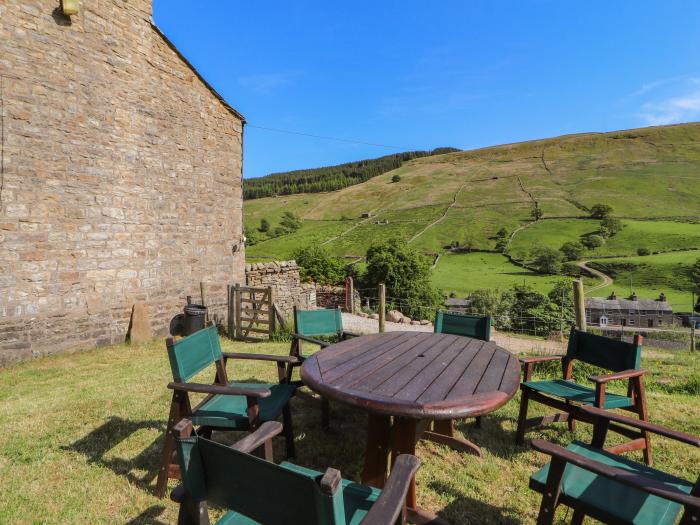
(645, 174)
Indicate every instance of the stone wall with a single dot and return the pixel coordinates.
(288, 290)
(120, 176)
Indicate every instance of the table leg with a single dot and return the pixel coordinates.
(443, 433)
(377, 450)
(403, 441)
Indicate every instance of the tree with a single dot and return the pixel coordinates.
(406, 274)
(502, 233)
(396, 178)
(317, 265)
(488, 301)
(592, 241)
(290, 222)
(695, 276)
(572, 250)
(642, 251)
(536, 213)
(251, 237)
(601, 211)
(547, 260)
(533, 311)
(562, 295)
(609, 226)
(264, 225)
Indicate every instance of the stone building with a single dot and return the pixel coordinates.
(632, 311)
(120, 180)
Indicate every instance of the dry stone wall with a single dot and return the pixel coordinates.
(121, 176)
(283, 277)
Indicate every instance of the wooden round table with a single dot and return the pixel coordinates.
(419, 379)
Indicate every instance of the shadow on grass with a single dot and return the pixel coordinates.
(149, 517)
(469, 511)
(96, 445)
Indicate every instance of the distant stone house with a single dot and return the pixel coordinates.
(120, 180)
(632, 311)
(455, 304)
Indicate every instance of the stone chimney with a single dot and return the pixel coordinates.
(662, 297)
(634, 297)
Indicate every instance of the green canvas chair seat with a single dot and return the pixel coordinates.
(614, 501)
(308, 326)
(572, 391)
(227, 405)
(232, 411)
(621, 361)
(357, 499)
(255, 491)
(594, 480)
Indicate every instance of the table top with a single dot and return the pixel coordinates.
(415, 374)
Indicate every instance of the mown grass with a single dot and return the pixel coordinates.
(83, 436)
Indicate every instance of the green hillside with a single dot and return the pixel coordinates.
(650, 176)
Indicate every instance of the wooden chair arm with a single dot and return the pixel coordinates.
(221, 390)
(322, 344)
(625, 374)
(688, 439)
(540, 359)
(637, 481)
(287, 359)
(392, 501)
(528, 363)
(252, 441)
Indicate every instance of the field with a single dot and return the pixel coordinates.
(464, 273)
(649, 176)
(84, 435)
(650, 275)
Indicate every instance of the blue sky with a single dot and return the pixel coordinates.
(419, 75)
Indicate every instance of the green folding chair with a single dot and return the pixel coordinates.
(466, 325)
(476, 326)
(227, 405)
(308, 326)
(621, 358)
(610, 488)
(253, 490)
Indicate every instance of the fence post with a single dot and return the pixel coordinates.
(579, 305)
(229, 311)
(272, 327)
(351, 291)
(382, 307)
(237, 304)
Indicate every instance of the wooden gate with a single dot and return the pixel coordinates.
(251, 314)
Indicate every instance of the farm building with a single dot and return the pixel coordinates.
(632, 311)
(120, 177)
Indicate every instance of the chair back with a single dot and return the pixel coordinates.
(324, 321)
(258, 489)
(477, 326)
(604, 352)
(192, 354)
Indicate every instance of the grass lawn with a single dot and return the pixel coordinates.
(83, 437)
(466, 272)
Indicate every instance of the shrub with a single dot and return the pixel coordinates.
(592, 241)
(406, 274)
(316, 264)
(609, 226)
(396, 178)
(600, 211)
(290, 222)
(642, 251)
(264, 225)
(547, 260)
(572, 250)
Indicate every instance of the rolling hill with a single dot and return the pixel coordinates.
(650, 176)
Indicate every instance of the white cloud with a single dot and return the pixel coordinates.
(682, 108)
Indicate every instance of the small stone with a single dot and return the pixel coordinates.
(140, 329)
